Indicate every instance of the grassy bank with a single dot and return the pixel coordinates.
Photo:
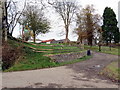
(104, 49)
(54, 48)
(30, 59)
(33, 60)
(112, 71)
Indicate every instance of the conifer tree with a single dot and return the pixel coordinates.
(110, 29)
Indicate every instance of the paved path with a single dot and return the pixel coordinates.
(78, 75)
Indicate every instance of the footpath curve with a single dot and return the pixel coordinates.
(79, 75)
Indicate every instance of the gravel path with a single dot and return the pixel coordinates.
(92, 67)
(78, 75)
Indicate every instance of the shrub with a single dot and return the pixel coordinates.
(9, 55)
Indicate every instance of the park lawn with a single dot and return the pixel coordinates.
(104, 49)
(50, 46)
(62, 51)
(33, 60)
(112, 71)
(61, 48)
(56, 49)
(30, 60)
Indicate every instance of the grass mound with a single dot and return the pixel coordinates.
(29, 59)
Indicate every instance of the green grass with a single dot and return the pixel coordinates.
(61, 51)
(32, 61)
(37, 46)
(52, 44)
(112, 71)
(104, 49)
(57, 48)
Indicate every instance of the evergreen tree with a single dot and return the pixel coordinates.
(110, 29)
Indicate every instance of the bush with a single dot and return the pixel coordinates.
(9, 55)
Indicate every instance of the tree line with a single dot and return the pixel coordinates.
(89, 24)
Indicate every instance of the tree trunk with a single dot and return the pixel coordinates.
(4, 22)
(89, 41)
(34, 36)
(23, 33)
(110, 45)
(5, 34)
(89, 37)
(11, 32)
(80, 39)
(67, 31)
(99, 47)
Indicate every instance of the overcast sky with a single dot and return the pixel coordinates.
(57, 29)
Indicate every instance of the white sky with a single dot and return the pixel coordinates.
(57, 25)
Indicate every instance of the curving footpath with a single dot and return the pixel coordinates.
(79, 75)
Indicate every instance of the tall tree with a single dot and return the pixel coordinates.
(12, 15)
(66, 9)
(4, 15)
(35, 20)
(81, 27)
(88, 23)
(110, 29)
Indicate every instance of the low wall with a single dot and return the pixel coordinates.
(67, 57)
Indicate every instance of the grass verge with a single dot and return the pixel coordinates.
(104, 49)
(112, 71)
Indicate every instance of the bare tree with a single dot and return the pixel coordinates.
(81, 27)
(66, 9)
(4, 29)
(88, 24)
(12, 15)
(100, 38)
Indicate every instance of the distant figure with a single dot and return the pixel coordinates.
(88, 53)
